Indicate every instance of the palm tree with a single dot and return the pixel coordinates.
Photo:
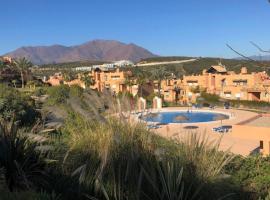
(23, 65)
(159, 74)
(177, 91)
(87, 80)
(141, 78)
(129, 82)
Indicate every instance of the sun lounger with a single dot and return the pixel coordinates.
(222, 129)
(153, 126)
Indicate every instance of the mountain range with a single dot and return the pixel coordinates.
(102, 50)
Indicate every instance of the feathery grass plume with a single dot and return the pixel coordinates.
(121, 159)
(203, 156)
(106, 147)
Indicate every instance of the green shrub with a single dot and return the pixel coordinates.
(40, 91)
(76, 91)
(252, 174)
(14, 104)
(210, 98)
(249, 104)
(125, 94)
(58, 94)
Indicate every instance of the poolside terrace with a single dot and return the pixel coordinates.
(243, 139)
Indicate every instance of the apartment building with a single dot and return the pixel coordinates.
(171, 90)
(54, 80)
(113, 80)
(215, 80)
(229, 85)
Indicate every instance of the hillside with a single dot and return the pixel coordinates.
(197, 66)
(100, 50)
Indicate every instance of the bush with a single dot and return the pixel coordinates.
(252, 174)
(76, 91)
(210, 98)
(125, 94)
(14, 105)
(58, 94)
(249, 104)
(40, 91)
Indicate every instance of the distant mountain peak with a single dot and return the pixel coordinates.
(99, 49)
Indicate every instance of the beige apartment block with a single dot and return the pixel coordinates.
(229, 85)
(113, 80)
(215, 80)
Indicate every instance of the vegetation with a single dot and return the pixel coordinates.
(72, 64)
(22, 165)
(252, 174)
(23, 65)
(87, 80)
(14, 104)
(212, 99)
(99, 152)
(158, 75)
(58, 94)
(196, 67)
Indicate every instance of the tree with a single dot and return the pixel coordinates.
(177, 91)
(23, 66)
(141, 78)
(87, 80)
(159, 75)
(129, 82)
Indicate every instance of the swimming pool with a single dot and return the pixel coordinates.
(184, 117)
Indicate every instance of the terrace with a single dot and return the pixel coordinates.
(248, 129)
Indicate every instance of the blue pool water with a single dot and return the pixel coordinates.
(186, 117)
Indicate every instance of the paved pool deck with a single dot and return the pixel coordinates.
(243, 139)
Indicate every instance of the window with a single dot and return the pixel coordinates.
(239, 82)
(261, 144)
(223, 83)
(228, 94)
(192, 82)
(115, 77)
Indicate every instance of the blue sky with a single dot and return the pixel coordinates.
(165, 27)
